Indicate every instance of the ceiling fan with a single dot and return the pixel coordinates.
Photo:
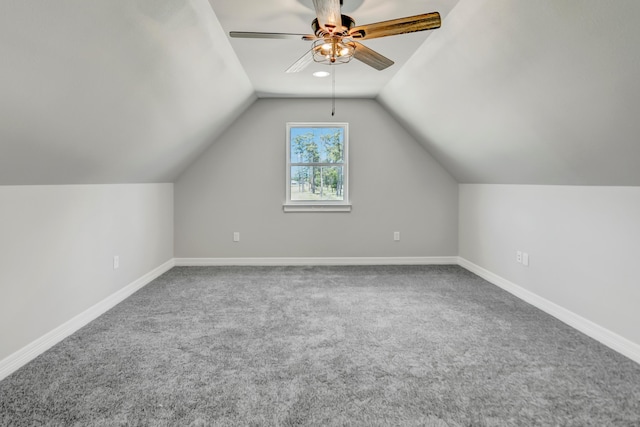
(336, 38)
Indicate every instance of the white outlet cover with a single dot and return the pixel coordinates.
(519, 256)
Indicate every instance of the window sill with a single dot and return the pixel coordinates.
(316, 208)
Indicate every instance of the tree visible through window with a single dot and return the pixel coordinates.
(317, 163)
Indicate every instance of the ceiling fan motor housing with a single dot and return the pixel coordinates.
(347, 24)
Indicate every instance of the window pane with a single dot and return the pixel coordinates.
(317, 145)
(317, 183)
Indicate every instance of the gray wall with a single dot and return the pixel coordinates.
(239, 185)
(583, 242)
(57, 249)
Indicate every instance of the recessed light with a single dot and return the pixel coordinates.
(321, 74)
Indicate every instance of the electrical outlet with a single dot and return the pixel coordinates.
(236, 236)
(519, 256)
(525, 259)
(396, 236)
(116, 262)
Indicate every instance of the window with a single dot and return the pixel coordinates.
(317, 167)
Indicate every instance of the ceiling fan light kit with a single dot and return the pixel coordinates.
(332, 51)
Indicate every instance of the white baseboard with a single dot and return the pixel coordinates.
(595, 331)
(317, 261)
(610, 339)
(23, 356)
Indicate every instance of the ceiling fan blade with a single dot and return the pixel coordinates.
(255, 35)
(301, 63)
(410, 24)
(328, 13)
(370, 57)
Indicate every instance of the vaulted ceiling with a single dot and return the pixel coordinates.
(112, 91)
(507, 91)
(528, 92)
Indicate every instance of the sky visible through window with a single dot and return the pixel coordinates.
(316, 136)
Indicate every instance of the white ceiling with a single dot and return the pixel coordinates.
(528, 92)
(507, 91)
(112, 91)
(265, 60)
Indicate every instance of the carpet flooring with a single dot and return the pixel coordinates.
(375, 345)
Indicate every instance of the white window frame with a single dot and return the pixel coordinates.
(318, 205)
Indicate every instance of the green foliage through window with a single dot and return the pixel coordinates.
(316, 162)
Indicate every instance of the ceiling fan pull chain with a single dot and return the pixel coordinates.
(333, 91)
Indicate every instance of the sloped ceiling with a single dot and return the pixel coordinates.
(507, 91)
(528, 92)
(112, 91)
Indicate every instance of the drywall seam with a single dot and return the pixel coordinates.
(610, 339)
(29, 352)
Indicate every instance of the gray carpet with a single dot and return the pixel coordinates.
(399, 345)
